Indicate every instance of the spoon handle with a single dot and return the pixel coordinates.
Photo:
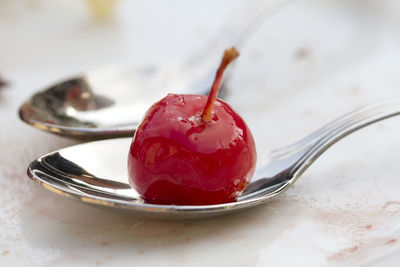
(237, 27)
(307, 150)
(245, 20)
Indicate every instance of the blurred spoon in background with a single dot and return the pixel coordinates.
(110, 102)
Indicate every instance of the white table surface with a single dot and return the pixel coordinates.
(308, 64)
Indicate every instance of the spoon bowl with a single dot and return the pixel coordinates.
(110, 102)
(93, 174)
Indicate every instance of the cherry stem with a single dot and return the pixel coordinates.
(229, 56)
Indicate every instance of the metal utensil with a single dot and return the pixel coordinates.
(96, 172)
(111, 101)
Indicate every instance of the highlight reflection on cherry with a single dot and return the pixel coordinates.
(192, 149)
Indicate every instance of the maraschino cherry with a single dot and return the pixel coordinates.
(192, 149)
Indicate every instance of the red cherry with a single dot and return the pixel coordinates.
(192, 150)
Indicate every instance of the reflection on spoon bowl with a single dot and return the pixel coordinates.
(107, 102)
(96, 172)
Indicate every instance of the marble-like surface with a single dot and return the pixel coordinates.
(306, 65)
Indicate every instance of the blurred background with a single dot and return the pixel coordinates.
(303, 64)
(83, 34)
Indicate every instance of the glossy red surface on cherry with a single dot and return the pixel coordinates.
(192, 149)
(176, 158)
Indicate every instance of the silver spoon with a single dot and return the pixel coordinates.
(95, 173)
(110, 102)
